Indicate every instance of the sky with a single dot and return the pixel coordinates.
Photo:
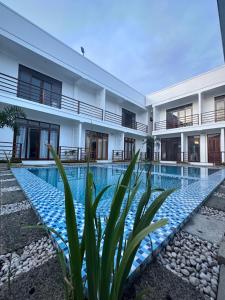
(149, 44)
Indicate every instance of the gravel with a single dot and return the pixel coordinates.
(208, 211)
(33, 255)
(14, 207)
(195, 262)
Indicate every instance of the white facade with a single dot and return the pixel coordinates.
(93, 99)
(191, 109)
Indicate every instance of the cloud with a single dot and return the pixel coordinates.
(148, 44)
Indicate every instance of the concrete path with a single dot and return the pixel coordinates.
(29, 254)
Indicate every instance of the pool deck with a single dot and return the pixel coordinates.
(13, 192)
(48, 202)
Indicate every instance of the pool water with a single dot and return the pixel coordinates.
(44, 188)
(103, 176)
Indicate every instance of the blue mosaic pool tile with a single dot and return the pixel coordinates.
(48, 202)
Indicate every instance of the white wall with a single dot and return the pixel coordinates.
(202, 82)
(25, 33)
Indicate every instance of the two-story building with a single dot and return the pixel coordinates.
(189, 119)
(69, 101)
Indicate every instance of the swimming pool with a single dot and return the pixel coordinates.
(43, 186)
(103, 176)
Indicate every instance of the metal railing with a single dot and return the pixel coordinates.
(10, 150)
(213, 157)
(206, 117)
(178, 122)
(75, 154)
(117, 155)
(28, 91)
(213, 116)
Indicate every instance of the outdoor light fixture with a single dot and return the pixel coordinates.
(82, 50)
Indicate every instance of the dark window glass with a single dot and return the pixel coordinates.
(97, 144)
(220, 108)
(34, 136)
(179, 117)
(38, 87)
(129, 148)
(171, 149)
(194, 148)
(128, 119)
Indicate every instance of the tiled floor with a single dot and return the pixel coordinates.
(49, 204)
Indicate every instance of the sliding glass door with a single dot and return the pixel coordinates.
(97, 143)
(34, 136)
(129, 148)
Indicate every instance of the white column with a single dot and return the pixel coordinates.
(101, 100)
(79, 137)
(222, 146)
(200, 108)
(154, 117)
(203, 148)
(182, 146)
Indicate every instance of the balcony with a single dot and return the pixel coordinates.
(190, 120)
(28, 91)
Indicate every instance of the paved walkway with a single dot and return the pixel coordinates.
(27, 256)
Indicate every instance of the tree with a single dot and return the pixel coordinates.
(8, 116)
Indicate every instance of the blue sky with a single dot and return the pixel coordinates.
(149, 44)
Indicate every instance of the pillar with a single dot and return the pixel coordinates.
(182, 146)
(203, 148)
(79, 137)
(200, 108)
(222, 146)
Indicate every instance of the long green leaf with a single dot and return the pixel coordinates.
(72, 232)
(90, 240)
(129, 252)
(108, 260)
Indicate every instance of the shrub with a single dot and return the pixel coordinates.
(107, 251)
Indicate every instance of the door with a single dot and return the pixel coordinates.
(33, 143)
(129, 148)
(97, 143)
(214, 148)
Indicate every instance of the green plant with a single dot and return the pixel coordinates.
(8, 160)
(108, 253)
(8, 116)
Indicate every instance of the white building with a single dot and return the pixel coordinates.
(189, 119)
(69, 101)
(80, 108)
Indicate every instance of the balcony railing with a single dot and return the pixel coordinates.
(75, 154)
(117, 155)
(10, 151)
(215, 157)
(213, 116)
(206, 117)
(178, 122)
(28, 91)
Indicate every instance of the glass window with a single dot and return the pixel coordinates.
(194, 148)
(219, 107)
(128, 118)
(32, 138)
(179, 116)
(39, 87)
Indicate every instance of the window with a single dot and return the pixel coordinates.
(38, 87)
(220, 108)
(179, 117)
(128, 119)
(97, 143)
(33, 136)
(129, 148)
(194, 148)
(171, 149)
